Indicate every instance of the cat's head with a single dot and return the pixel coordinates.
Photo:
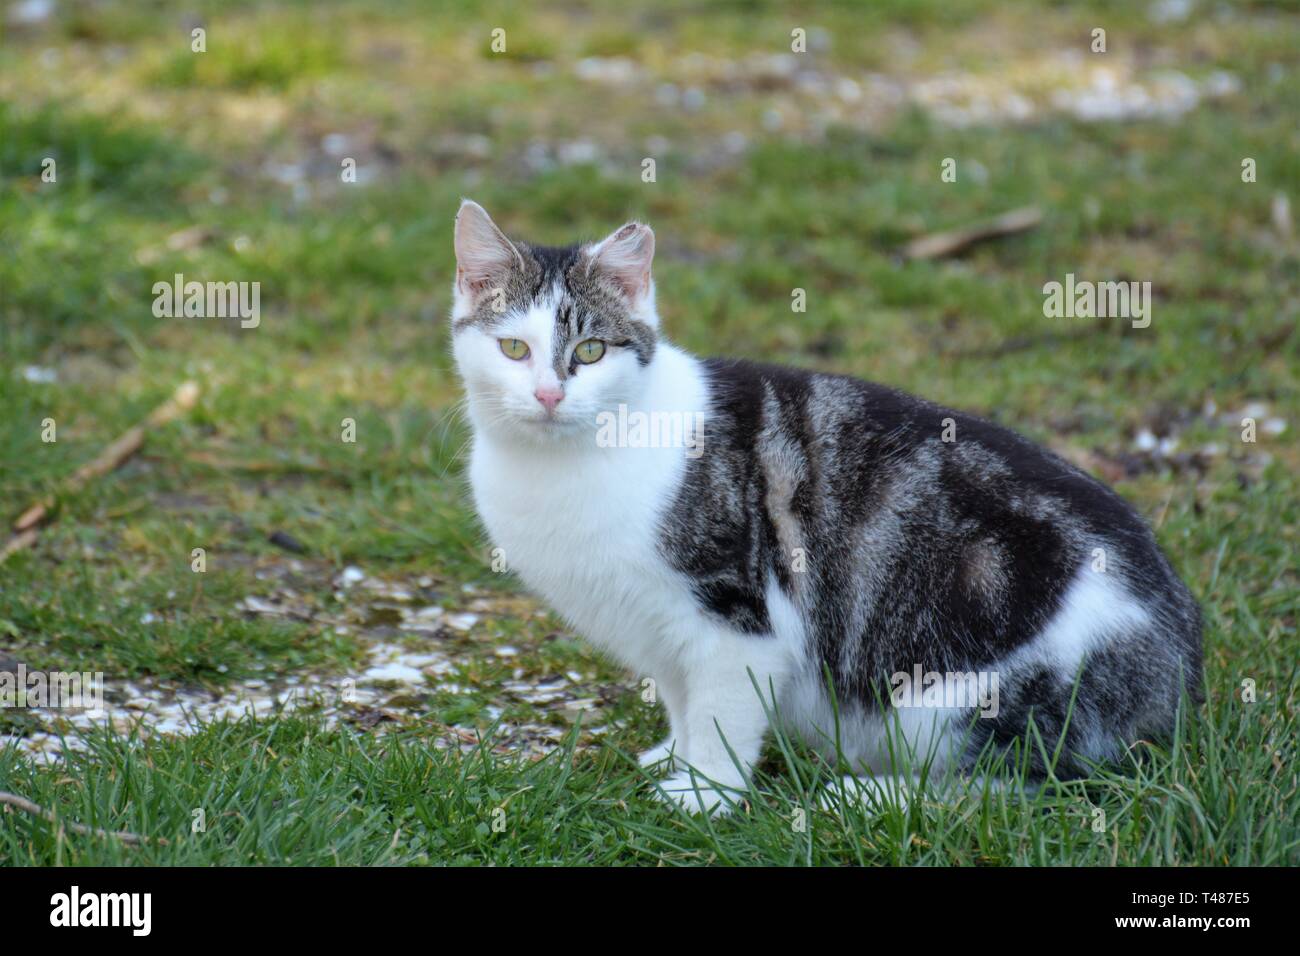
(547, 338)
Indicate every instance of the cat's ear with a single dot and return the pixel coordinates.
(483, 254)
(624, 257)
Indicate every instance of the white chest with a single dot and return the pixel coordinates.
(582, 530)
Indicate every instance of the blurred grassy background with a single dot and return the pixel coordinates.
(775, 170)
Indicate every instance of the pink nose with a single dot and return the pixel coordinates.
(549, 397)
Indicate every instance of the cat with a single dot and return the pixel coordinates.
(807, 547)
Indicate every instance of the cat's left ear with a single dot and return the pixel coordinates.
(483, 253)
(625, 257)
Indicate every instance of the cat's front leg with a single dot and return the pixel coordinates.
(725, 717)
(670, 690)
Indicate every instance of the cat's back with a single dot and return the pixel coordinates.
(856, 438)
(931, 518)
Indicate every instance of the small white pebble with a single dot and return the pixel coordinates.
(430, 613)
(40, 375)
(336, 144)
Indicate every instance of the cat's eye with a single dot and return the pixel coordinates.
(514, 349)
(589, 351)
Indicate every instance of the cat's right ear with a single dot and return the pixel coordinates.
(484, 256)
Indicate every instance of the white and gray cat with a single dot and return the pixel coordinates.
(822, 538)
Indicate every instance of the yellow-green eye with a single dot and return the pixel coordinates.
(589, 351)
(515, 349)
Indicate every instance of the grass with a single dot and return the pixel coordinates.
(288, 792)
(221, 165)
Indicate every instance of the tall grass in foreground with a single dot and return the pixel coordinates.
(289, 791)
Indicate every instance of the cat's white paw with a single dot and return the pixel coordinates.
(694, 794)
(659, 754)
